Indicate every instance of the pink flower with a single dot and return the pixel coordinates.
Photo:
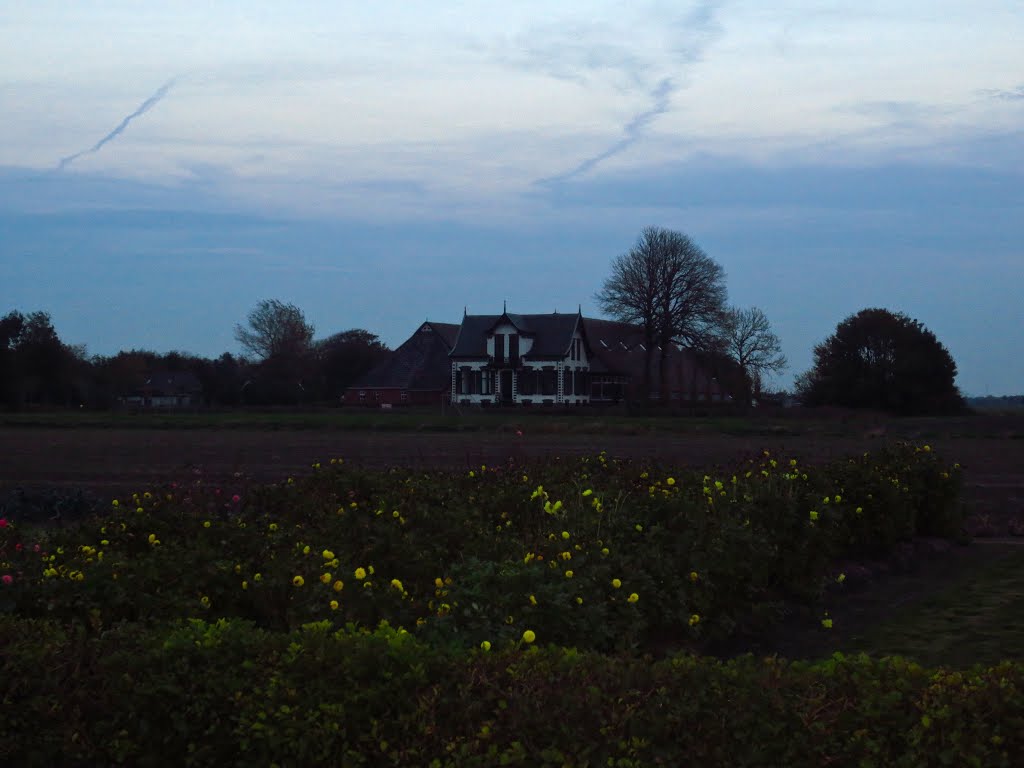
(8, 579)
(36, 548)
(519, 433)
(236, 498)
(18, 547)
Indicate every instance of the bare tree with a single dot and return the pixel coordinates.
(751, 343)
(672, 289)
(275, 330)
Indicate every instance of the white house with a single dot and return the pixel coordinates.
(511, 359)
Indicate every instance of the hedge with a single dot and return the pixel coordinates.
(229, 693)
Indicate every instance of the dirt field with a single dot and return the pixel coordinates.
(110, 461)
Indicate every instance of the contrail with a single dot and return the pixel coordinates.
(699, 26)
(143, 108)
(661, 96)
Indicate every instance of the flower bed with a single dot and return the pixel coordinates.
(593, 553)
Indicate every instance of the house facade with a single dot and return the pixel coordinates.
(513, 359)
(166, 389)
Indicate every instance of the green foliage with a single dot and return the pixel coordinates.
(593, 553)
(228, 693)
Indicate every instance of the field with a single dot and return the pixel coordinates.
(107, 453)
(519, 552)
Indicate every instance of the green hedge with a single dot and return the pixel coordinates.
(228, 693)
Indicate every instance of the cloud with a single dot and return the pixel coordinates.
(142, 109)
(1010, 95)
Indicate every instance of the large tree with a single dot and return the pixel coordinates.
(883, 360)
(344, 357)
(281, 340)
(671, 288)
(275, 330)
(748, 339)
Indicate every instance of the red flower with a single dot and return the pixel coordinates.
(3, 522)
(8, 579)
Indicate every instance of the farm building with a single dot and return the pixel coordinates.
(166, 389)
(538, 359)
(414, 374)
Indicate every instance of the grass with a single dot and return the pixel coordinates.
(543, 421)
(977, 618)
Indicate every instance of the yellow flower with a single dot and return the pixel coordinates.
(396, 584)
(587, 492)
(115, 503)
(305, 550)
(205, 601)
(245, 585)
(927, 449)
(616, 583)
(533, 600)
(273, 526)
(565, 534)
(529, 636)
(153, 539)
(206, 524)
(670, 481)
(605, 551)
(339, 585)
(694, 620)
(568, 574)
(257, 577)
(438, 583)
(639, 528)
(826, 623)
(814, 515)
(694, 576)
(360, 574)
(486, 645)
(859, 510)
(327, 554)
(325, 578)
(841, 578)
(633, 597)
(334, 605)
(579, 601)
(298, 581)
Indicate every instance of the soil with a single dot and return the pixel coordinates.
(113, 461)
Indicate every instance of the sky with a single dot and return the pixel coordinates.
(166, 166)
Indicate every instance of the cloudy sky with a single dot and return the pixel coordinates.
(164, 166)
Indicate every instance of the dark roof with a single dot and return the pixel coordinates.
(618, 348)
(551, 333)
(420, 363)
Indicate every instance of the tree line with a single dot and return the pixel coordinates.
(281, 364)
(665, 284)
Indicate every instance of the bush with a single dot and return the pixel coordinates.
(594, 553)
(229, 693)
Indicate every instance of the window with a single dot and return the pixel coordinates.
(487, 382)
(549, 381)
(362, 395)
(513, 349)
(499, 348)
(527, 381)
(405, 397)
